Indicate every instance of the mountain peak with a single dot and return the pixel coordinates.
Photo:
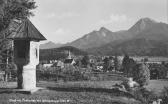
(103, 29)
(147, 20)
(142, 24)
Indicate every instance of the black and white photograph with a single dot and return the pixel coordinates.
(83, 51)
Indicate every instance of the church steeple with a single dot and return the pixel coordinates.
(69, 55)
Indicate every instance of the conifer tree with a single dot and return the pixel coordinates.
(12, 12)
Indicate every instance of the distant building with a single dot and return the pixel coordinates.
(150, 62)
(58, 64)
(47, 65)
(99, 67)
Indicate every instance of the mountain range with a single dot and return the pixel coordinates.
(50, 45)
(145, 37)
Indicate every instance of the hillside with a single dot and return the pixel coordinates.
(57, 53)
(137, 47)
(99, 38)
(50, 45)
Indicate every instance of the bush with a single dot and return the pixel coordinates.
(164, 96)
(73, 74)
(69, 73)
(143, 95)
(141, 74)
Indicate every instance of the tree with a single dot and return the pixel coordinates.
(146, 60)
(14, 10)
(11, 13)
(141, 74)
(85, 61)
(128, 65)
(116, 63)
(162, 71)
(125, 63)
(78, 63)
(131, 66)
(108, 64)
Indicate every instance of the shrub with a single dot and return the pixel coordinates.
(143, 95)
(69, 73)
(164, 96)
(73, 74)
(141, 74)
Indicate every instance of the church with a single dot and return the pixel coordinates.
(69, 60)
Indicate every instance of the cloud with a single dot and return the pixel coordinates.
(51, 15)
(115, 18)
(61, 31)
(61, 35)
(62, 15)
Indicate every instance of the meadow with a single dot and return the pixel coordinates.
(78, 92)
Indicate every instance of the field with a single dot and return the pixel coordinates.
(157, 86)
(89, 92)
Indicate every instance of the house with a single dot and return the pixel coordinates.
(99, 67)
(47, 65)
(58, 64)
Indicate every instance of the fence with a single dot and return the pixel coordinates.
(69, 76)
(77, 76)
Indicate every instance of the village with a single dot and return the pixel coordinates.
(158, 66)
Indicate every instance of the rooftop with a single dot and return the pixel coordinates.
(27, 31)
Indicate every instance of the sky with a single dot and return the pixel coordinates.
(63, 21)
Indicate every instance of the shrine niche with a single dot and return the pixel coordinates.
(26, 54)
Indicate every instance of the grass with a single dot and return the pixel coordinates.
(88, 92)
(70, 97)
(157, 85)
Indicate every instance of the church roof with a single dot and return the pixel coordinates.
(26, 31)
(68, 61)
